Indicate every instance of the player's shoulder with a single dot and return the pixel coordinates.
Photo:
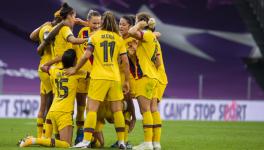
(47, 27)
(65, 28)
(85, 29)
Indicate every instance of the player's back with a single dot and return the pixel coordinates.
(161, 70)
(107, 48)
(146, 53)
(66, 87)
(60, 44)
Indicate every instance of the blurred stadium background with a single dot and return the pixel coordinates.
(213, 52)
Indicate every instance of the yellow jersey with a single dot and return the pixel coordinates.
(107, 47)
(132, 60)
(84, 33)
(43, 33)
(66, 87)
(60, 44)
(161, 70)
(146, 53)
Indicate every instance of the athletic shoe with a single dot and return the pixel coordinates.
(156, 146)
(25, 142)
(128, 145)
(121, 146)
(115, 145)
(79, 136)
(83, 144)
(144, 146)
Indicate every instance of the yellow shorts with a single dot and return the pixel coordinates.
(45, 84)
(105, 90)
(60, 120)
(159, 91)
(83, 85)
(132, 84)
(146, 87)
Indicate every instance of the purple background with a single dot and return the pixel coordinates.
(226, 78)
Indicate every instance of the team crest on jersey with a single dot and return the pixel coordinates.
(85, 34)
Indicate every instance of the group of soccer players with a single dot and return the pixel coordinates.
(112, 64)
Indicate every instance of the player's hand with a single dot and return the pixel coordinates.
(78, 20)
(132, 124)
(142, 24)
(152, 23)
(70, 71)
(44, 68)
(157, 34)
(126, 87)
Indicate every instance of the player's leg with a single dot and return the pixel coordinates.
(115, 96)
(144, 93)
(89, 124)
(96, 93)
(40, 119)
(156, 115)
(98, 137)
(81, 102)
(60, 120)
(156, 124)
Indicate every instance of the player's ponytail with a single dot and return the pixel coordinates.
(109, 22)
(66, 10)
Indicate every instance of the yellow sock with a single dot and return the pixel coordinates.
(43, 130)
(48, 128)
(148, 126)
(127, 122)
(99, 126)
(97, 144)
(39, 127)
(52, 143)
(89, 125)
(156, 126)
(80, 117)
(119, 125)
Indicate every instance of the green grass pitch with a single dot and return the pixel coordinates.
(176, 135)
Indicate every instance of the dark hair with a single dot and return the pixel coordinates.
(109, 22)
(143, 16)
(57, 18)
(66, 10)
(130, 19)
(68, 58)
(92, 13)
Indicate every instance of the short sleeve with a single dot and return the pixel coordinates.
(146, 35)
(91, 44)
(123, 49)
(66, 32)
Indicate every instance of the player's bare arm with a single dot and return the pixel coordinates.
(131, 110)
(135, 31)
(34, 36)
(81, 22)
(82, 61)
(124, 59)
(75, 40)
(45, 67)
(50, 36)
